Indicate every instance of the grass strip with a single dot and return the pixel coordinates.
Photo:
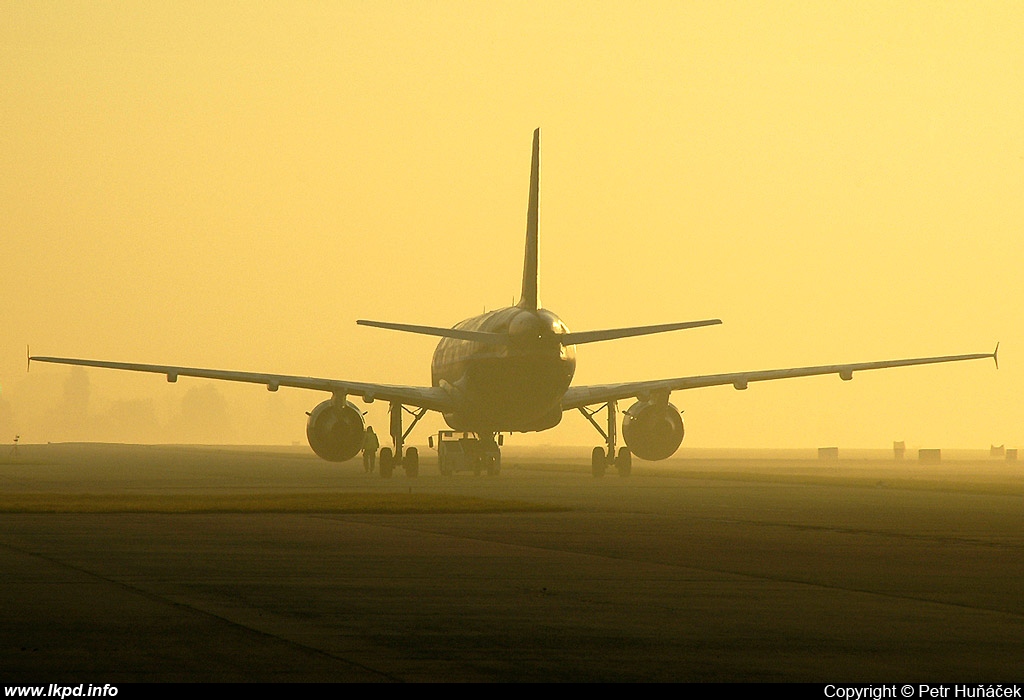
(963, 485)
(263, 503)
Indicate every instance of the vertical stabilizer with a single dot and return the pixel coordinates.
(529, 298)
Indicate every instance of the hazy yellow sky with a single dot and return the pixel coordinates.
(231, 185)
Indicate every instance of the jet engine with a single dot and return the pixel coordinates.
(652, 431)
(335, 432)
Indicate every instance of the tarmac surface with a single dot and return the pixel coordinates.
(707, 567)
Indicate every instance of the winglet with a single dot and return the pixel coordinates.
(995, 355)
(529, 297)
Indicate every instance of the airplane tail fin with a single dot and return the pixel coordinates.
(529, 300)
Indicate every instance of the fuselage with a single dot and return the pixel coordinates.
(513, 387)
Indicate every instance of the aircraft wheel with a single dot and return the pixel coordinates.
(412, 462)
(624, 462)
(387, 463)
(597, 462)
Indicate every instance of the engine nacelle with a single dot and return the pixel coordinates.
(652, 431)
(335, 433)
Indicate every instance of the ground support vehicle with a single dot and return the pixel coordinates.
(461, 451)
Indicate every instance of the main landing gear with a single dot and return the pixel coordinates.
(391, 457)
(601, 458)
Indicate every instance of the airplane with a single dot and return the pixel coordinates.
(509, 371)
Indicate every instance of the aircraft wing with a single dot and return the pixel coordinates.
(432, 398)
(579, 396)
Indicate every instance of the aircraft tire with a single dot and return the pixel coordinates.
(387, 463)
(597, 461)
(624, 462)
(412, 462)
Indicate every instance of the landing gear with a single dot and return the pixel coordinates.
(624, 462)
(391, 458)
(598, 462)
(387, 463)
(412, 462)
(600, 459)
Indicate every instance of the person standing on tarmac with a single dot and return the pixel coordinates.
(370, 445)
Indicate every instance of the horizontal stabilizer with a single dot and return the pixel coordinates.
(475, 336)
(613, 333)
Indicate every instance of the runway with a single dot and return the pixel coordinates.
(701, 568)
